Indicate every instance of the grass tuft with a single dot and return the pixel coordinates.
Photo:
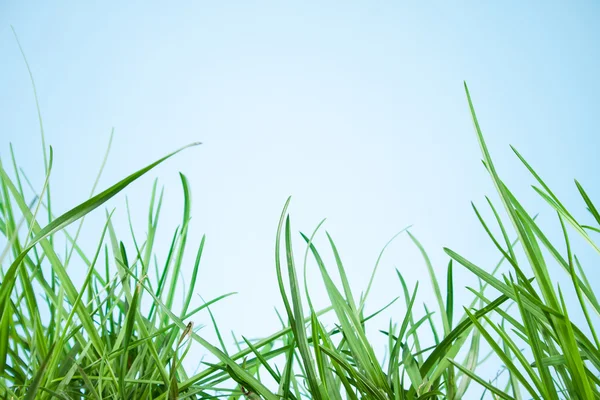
(97, 339)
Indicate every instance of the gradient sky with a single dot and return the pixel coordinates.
(356, 109)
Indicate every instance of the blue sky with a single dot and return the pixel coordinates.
(356, 109)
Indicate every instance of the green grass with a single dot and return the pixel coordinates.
(95, 339)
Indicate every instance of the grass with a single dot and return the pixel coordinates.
(95, 339)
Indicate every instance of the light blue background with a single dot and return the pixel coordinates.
(355, 108)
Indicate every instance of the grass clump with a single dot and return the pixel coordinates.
(95, 339)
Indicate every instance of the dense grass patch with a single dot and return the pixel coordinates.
(94, 339)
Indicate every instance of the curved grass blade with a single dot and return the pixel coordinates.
(71, 216)
(499, 393)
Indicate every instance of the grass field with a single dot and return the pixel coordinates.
(59, 339)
